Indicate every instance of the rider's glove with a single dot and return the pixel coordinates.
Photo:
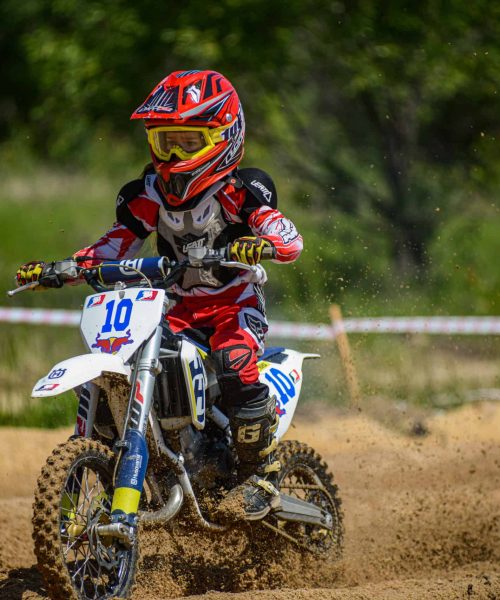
(249, 249)
(38, 271)
(29, 272)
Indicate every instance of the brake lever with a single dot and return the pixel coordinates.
(23, 288)
(238, 265)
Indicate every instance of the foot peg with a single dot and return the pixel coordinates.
(289, 508)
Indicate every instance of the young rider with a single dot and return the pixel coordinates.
(192, 195)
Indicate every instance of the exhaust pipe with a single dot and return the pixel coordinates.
(166, 512)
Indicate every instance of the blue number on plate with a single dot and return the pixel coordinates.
(283, 384)
(122, 316)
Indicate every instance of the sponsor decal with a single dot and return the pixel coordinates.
(231, 153)
(112, 344)
(147, 295)
(47, 387)
(288, 232)
(194, 92)
(137, 405)
(138, 396)
(196, 371)
(131, 471)
(96, 301)
(261, 301)
(131, 266)
(265, 192)
(262, 364)
(56, 373)
(190, 241)
(238, 358)
(280, 411)
(81, 426)
(235, 130)
(83, 412)
(256, 326)
(249, 434)
(137, 461)
(196, 244)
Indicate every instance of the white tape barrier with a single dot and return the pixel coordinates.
(38, 316)
(283, 329)
(433, 325)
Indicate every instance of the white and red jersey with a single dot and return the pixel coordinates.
(244, 204)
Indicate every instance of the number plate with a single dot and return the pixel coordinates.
(119, 322)
(284, 381)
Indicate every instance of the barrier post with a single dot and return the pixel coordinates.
(345, 355)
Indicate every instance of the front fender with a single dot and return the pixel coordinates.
(75, 371)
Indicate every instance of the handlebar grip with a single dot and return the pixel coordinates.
(268, 253)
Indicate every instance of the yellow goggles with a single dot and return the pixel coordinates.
(185, 142)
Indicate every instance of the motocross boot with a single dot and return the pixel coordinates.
(254, 430)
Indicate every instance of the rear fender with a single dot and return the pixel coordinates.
(76, 371)
(282, 373)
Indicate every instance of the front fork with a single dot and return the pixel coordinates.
(133, 460)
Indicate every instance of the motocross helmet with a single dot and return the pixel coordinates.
(195, 128)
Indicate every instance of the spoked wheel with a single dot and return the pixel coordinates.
(72, 499)
(304, 475)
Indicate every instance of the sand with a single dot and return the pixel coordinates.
(422, 519)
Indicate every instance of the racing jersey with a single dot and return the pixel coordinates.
(243, 204)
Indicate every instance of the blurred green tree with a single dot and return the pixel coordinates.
(380, 117)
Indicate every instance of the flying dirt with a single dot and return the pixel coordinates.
(421, 514)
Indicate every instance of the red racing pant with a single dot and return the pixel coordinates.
(234, 326)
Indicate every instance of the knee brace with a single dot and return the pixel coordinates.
(238, 376)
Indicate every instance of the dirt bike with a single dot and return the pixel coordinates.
(151, 441)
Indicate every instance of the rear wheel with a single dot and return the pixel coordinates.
(73, 496)
(305, 475)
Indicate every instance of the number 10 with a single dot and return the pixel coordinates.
(122, 315)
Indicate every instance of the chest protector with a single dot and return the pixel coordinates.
(205, 225)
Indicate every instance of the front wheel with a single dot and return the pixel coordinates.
(305, 475)
(73, 496)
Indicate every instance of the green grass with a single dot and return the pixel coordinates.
(50, 228)
(49, 413)
(27, 353)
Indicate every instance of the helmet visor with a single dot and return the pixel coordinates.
(185, 142)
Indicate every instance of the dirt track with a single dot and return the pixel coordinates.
(422, 518)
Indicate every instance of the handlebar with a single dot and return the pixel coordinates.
(160, 270)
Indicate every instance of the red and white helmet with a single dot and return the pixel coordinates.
(196, 128)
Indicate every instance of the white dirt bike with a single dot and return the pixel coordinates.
(151, 440)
